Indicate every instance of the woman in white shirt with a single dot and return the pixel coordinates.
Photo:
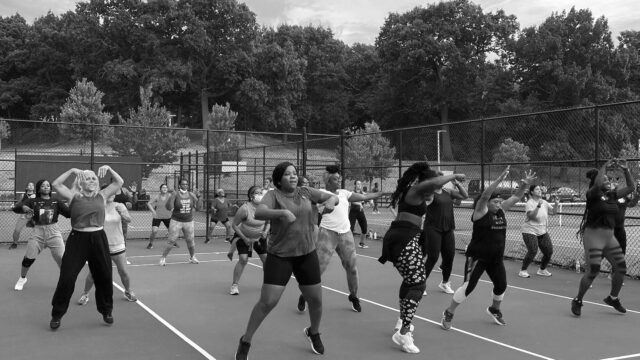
(534, 231)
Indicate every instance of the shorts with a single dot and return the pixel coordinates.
(45, 236)
(306, 268)
(174, 230)
(260, 246)
(224, 221)
(157, 222)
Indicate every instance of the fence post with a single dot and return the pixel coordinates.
(342, 160)
(92, 157)
(197, 168)
(181, 164)
(597, 147)
(264, 162)
(205, 192)
(482, 150)
(304, 151)
(237, 174)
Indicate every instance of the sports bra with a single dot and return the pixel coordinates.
(417, 210)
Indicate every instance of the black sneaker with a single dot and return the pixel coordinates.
(496, 315)
(54, 324)
(175, 245)
(576, 306)
(314, 340)
(243, 350)
(150, 246)
(207, 240)
(615, 304)
(301, 303)
(447, 318)
(108, 318)
(355, 303)
(13, 246)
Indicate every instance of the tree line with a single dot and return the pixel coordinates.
(439, 63)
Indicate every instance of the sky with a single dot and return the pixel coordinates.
(359, 21)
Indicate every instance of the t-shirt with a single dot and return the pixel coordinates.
(601, 209)
(159, 203)
(222, 209)
(292, 239)
(338, 219)
(46, 211)
(113, 226)
(182, 206)
(87, 211)
(538, 225)
(488, 237)
(250, 226)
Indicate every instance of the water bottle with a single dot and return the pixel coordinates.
(578, 266)
(375, 236)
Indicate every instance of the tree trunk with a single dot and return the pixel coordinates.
(445, 139)
(204, 104)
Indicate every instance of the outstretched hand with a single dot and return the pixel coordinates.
(622, 163)
(529, 176)
(505, 173)
(102, 171)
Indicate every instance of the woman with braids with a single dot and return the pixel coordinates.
(87, 241)
(486, 248)
(597, 233)
(291, 250)
(43, 211)
(402, 245)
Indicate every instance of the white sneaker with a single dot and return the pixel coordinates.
(399, 325)
(424, 293)
(544, 272)
(234, 290)
(446, 287)
(524, 274)
(84, 299)
(163, 261)
(20, 283)
(193, 260)
(128, 262)
(406, 341)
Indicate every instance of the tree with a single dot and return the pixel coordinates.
(5, 131)
(368, 154)
(84, 108)
(511, 151)
(148, 135)
(629, 151)
(221, 123)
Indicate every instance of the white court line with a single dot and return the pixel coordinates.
(437, 323)
(530, 290)
(164, 322)
(178, 262)
(624, 357)
(176, 254)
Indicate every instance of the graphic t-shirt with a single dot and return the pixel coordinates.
(488, 237)
(46, 211)
(182, 206)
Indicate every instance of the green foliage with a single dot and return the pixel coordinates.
(512, 152)
(367, 154)
(84, 108)
(150, 136)
(631, 151)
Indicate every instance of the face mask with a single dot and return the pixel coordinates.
(257, 197)
(183, 191)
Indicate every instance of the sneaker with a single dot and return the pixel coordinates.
(207, 240)
(108, 318)
(544, 272)
(128, 262)
(399, 325)
(13, 246)
(234, 290)
(576, 307)
(496, 315)
(314, 340)
(301, 304)
(228, 240)
(406, 341)
(54, 324)
(446, 287)
(615, 304)
(439, 269)
(424, 293)
(84, 299)
(363, 246)
(447, 318)
(355, 303)
(193, 260)
(230, 256)
(243, 350)
(524, 274)
(175, 245)
(150, 246)
(163, 261)
(130, 296)
(20, 283)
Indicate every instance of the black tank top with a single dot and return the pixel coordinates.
(488, 237)
(602, 209)
(440, 212)
(417, 210)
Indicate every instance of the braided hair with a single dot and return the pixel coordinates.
(419, 171)
(591, 175)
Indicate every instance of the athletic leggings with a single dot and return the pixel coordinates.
(409, 265)
(532, 242)
(599, 243)
(621, 235)
(473, 270)
(358, 214)
(439, 242)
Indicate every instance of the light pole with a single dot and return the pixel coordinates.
(438, 136)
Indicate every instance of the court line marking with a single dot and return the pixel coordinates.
(179, 333)
(177, 254)
(176, 263)
(623, 357)
(438, 323)
(529, 290)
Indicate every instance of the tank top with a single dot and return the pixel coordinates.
(87, 211)
(488, 237)
(113, 228)
(417, 210)
(356, 205)
(251, 227)
(602, 209)
(440, 212)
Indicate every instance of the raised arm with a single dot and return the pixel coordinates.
(417, 192)
(61, 188)
(115, 184)
(597, 182)
(481, 208)
(631, 184)
(459, 193)
(529, 176)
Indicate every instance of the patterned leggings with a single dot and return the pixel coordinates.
(410, 266)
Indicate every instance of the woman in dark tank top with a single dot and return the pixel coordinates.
(87, 241)
(402, 246)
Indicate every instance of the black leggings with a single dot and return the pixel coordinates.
(533, 242)
(439, 242)
(91, 247)
(358, 214)
(473, 270)
(621, 235)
